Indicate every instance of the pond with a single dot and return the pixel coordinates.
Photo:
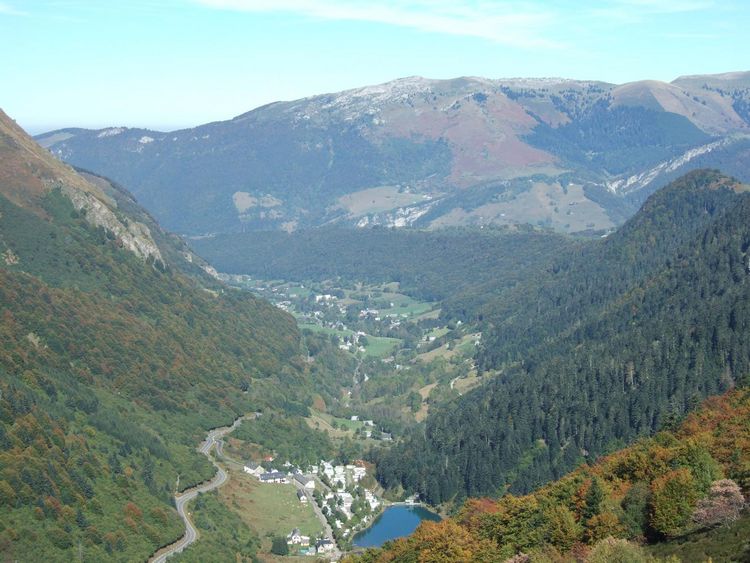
(395, 522)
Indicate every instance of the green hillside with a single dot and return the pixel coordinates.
(113, 364)
(675, 497)
(614, 341)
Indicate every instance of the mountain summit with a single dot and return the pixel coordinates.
(566, 154)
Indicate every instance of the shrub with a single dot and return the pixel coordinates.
(279, 546)
(611, 550)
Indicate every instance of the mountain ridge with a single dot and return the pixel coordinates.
(396, 152)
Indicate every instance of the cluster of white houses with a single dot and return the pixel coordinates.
(346, 505)
(257, 471)
(321, 546)
(339, 475)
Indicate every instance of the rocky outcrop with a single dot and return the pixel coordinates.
(134, 236)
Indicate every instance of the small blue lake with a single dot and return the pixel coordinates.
(395, 522)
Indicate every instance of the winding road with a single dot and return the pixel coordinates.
(213, 438)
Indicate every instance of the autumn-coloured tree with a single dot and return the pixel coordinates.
(673, 498)
(562, 529)
(603, 525)
(518, 525)
(441, 542)
(131, 509)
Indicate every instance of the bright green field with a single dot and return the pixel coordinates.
(325, 330)
(405, 305)
(380, 346)
(340, 422)
(377, 346)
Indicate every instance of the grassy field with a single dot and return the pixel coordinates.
(424, 392)
(327, 420)
(345, 428)
(325, 330)
(432, 314)
(374, 200)
(269, 509)
(405, 305)
(438, 332)
(464, 345)
(377, 346)
(297, 290)
(467, 383)
(380, 346)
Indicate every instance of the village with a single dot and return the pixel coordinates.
(336, 494)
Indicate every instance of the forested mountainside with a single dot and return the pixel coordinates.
(565, 154)
(432, 265)
(113, 363)
(617, 339)
(678, 494)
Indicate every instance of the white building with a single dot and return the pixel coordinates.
(253, 469)
(307, 483)
(296, 538)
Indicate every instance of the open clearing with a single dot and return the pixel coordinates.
(376, 200)
(269, 509)
(464, 384)
(424, 392)
(545, 204)
(465, 345)
(324, 422)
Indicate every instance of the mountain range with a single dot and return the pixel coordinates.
(118, 349)
(566, 154)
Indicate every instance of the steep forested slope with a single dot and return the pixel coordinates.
(614, 341)
(113, 363)
(432, 265)
(680, 493)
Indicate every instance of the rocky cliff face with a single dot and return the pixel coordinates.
(35, 167)
(134, 236)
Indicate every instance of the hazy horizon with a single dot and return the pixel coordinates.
(173, 64)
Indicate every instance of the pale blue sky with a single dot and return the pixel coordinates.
(168, 64)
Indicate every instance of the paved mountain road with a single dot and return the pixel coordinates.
(213, 438)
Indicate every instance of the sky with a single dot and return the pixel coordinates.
(171, 64)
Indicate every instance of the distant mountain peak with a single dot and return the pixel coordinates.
(572, 155)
